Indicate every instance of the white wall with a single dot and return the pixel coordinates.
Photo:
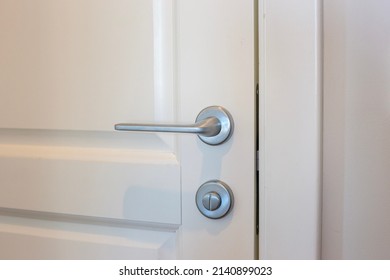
(356, 187)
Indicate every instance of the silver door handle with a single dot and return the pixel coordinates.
(214, 126)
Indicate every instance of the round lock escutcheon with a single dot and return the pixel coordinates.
(214, 199)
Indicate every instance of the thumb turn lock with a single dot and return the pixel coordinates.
(214, 199)
(211, 201)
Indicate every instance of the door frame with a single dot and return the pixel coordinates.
(290, 125)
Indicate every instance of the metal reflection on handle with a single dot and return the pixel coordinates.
(207, 127)
(214, 126)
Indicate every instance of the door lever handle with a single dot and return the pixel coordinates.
(214, 126)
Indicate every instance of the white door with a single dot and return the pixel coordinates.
(71, 186)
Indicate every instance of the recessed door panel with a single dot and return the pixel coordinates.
(76, 65)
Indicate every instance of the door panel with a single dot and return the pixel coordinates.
(55, 236)
(71, 186)
(91, 182)
(83, 63)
